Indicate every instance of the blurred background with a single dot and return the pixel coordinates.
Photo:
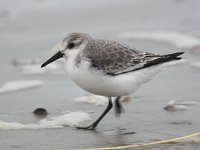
(30, 32)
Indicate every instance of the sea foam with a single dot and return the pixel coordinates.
(54, 68)
(92, 99)
(70, 119)
(178, 39)
(13, 86)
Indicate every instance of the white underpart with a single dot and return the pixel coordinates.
(177, 39)
(94, 81)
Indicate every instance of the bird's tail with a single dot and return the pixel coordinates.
(163, 59)
(158, 60)
(173, 56)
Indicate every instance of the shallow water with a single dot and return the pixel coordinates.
(29, 29)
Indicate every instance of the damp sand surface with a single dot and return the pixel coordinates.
(30, 30)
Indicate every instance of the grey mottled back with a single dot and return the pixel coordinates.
(114, 58)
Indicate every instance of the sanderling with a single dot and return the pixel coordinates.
(107, 68)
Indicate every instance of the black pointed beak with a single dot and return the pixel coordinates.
(58, 55)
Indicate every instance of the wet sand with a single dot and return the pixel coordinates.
(30, 29)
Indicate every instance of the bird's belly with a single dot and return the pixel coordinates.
(106, 86)
(97, 83)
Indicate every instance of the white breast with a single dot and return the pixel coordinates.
(96, 82)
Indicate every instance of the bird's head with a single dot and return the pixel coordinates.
(72, 44)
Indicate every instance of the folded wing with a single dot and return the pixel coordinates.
(114, 58)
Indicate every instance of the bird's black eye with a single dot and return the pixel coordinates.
(70, 45)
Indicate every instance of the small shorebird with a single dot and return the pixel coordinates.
(107, 68)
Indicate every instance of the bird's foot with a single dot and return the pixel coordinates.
(118, 108)
(90, 127)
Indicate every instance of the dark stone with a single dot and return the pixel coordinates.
(40, 112)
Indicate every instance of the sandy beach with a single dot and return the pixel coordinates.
(29, 31)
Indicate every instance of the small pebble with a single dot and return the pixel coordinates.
(40, 112)
(172, 106)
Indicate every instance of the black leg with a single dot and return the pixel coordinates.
(118, 107)
(93, 125)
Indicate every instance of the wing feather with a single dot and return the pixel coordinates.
(114, 58)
